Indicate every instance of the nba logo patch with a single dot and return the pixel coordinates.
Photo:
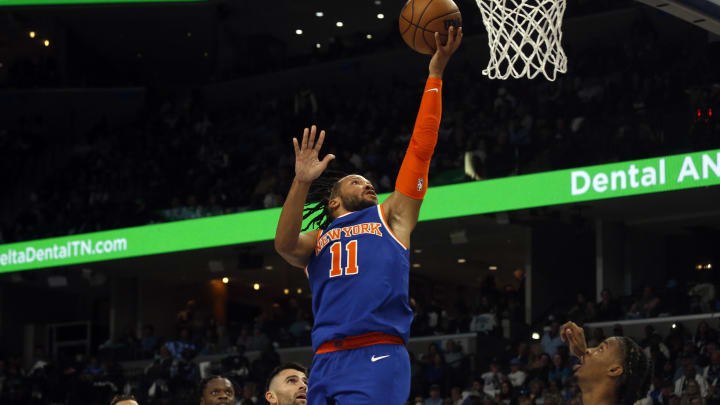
(420, 184)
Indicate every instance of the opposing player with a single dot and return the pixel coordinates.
(357, 262)
(217, 390)
(617, 371)
(287, 385)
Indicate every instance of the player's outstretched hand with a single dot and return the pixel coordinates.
(574, 336)
(307, 165)
(443, 52)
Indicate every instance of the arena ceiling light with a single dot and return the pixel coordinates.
(319, 14)
(461, 260)
(380, 16)
(286, 291)
(318, 45)
(298, 31)
(256, 286)
(225, 280)
(416, 265)
(32, 34)
(492, 268)
(368, 36)
(339, 24)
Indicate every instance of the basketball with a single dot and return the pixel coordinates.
(420, 19)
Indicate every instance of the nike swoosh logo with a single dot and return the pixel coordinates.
(433, 89)
(374, 359)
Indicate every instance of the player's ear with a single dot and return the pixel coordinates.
(333, 203)
(615, 370)
(270, 397)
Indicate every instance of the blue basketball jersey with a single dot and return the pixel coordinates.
(359, 275)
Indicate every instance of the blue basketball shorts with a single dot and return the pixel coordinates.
(371, 375)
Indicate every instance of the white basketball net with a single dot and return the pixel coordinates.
(524, 38)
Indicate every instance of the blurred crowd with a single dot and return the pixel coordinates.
(182, 159)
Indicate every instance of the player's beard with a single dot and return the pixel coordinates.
(357, 203)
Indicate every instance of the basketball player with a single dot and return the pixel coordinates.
(287, 385)
(357, 262)
(124, 400)
(617, 371)
(217, 390)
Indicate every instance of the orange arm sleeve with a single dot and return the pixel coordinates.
(412, 179)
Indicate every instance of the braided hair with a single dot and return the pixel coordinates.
(323, 189)
(637, 370)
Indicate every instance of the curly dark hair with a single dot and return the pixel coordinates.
(637, 371)
(323, 189)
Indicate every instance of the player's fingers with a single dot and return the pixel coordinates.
(326, 160)
(458, 38)
(304, 140)
(311, 142)
(320, 141)
(451, 37)
(296, 146)
(438, 45)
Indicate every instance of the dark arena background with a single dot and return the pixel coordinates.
(145, 150)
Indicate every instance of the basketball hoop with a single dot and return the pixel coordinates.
(524, 37)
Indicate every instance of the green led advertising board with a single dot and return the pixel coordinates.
(676, 172)
(20, 3)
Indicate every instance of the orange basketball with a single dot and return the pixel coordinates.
(420, 19)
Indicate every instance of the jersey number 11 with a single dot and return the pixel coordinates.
(336, 251)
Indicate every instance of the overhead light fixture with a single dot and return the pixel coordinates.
(256, 286)
(699, 266)
(536, 336)
(286, 291)
(319, 14)
(299, 290)
(416, 265)
(418, 250)
(298, 31)
(380, 16)
(368, 36)
(32, 34)
(708, 266)
(268, 267)
(318, 46)
(46, 42)
(378, 2)
(674, 325)
(492, 268)
(339, 24)
(461, 260)
(225, 280)
(189, 34)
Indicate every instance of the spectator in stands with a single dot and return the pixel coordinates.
(517, 376)
(559, 369)
(551, 339)
(217, 390)
(435, 397)
(148, 342)
(540, 369)
(250, 392)
(692, 393)
(456, 395)
(492, 380)
(704, 334)
(259, 340)
(607, 309)
(690, 376)
(244, 339)
(180, 345)
(436, 372)
(646, 306)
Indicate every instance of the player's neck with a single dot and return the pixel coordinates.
(340, 212)
(599, 394)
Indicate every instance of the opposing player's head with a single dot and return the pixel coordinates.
(287, 385)
(333, 194)
(217, 390)
(124, 400)
(617, 366)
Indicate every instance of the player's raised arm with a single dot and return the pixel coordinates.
(402, 207)
(293, 246)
